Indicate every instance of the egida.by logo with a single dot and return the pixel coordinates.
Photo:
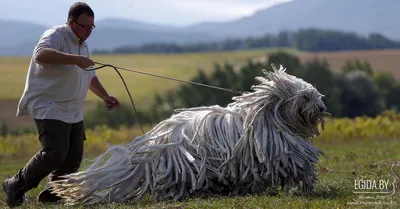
(378, 186)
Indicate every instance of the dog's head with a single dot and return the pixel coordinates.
(297, 104)
(291, 103)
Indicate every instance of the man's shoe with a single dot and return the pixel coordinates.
(14, 192)
(46, 196)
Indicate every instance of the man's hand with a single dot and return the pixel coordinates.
(111, 102)
(84, 62)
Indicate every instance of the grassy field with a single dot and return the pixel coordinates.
(355, 149)
(342, 164)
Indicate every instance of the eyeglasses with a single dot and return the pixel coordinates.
(85, 27)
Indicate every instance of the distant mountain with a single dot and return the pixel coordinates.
(132, 24)
(114, 32)
(109, 33)
(20, 49)
(107, 38)
(17, 32)
(360, 16)
(18, 37)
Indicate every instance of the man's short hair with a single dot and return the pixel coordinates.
(79, 8)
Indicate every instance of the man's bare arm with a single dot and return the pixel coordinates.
(97, 88)
(53, 57)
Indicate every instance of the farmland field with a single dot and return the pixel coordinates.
(142, 87)
(380, 60)
(180, 66)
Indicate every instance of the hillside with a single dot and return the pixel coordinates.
(107, 38)
(22, 36)
(360, 16)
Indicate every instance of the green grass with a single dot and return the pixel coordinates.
(180, 66)
(342, 164)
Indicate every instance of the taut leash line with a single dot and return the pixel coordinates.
(169, 78)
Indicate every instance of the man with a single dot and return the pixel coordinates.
(56, 87)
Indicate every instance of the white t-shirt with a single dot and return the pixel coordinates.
(56, 91)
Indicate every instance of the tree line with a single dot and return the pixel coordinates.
(356, 90)
(304, 39)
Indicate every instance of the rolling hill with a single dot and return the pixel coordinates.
(22, 36)
(359, 16)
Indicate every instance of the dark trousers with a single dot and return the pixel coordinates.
(61, 152)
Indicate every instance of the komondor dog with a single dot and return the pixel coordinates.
(258, 142)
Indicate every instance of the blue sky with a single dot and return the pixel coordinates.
(170, 12)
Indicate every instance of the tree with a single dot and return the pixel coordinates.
(289, 61)
(390, 89)
(356, 64)
(360, 96)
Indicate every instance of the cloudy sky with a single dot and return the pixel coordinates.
(172, 12)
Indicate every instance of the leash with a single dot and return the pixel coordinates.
(169, 78)
(154, 75)
(126, 87)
